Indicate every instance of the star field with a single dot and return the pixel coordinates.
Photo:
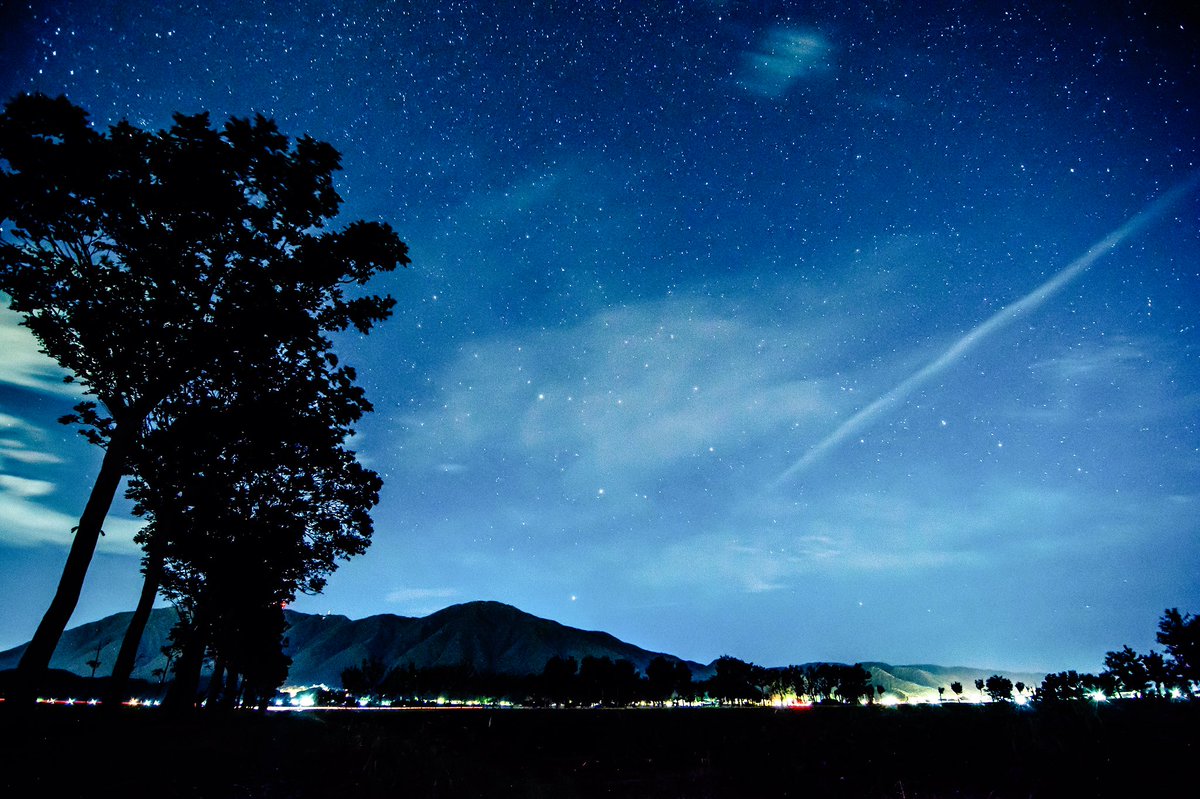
(666, 256)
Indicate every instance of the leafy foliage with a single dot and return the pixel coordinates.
(186, 279)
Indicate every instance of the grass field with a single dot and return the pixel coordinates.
(1077, 749)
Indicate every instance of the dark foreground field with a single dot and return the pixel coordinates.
(1136, 749)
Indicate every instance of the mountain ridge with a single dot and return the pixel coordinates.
(487, 636)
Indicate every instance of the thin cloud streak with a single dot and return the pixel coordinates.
(996, 321)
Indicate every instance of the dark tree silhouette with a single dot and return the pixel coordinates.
(276, 502)
(660, 680)
(979, 687)
(1159, 673)
(798, 680)
(1062, 686)
(558, 679)
(366, 679)
(853, 683)
(95, 662)
(736, 681)
(957, 688)
(1128, 671)
(255, 472)
(603, 681)
(685, 689)
(999, 688)
(822, 681)
(1180, 634)
(144, 261)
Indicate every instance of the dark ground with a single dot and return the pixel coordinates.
(1072, 750)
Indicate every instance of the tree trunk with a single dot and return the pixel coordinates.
(31, 671)
(215, 684)
(230, 698)
(137, 625)
(181, 696)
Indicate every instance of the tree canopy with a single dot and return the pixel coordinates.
(158, 267)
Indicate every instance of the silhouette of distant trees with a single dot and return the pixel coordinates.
(156, 267)
(668, 680)
(601, 681)
(1130, 675)
(736, 681)
(1128, 670)
(1180, 634)
(604, 682)
(998, 688)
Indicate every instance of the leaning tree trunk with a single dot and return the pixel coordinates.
(31, 671)
(137, 626)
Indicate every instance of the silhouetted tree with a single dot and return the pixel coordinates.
(1180, 634)
(734, 681)
(141, 261)
(957, 688)
(558, 679)
(779, 683)
(821, 681)
(1061, 686)
(1158, 673)
(979, 687)
(1128, 671)
(853, 683)
(252, 498)
(797, 680)
(999, 688)
(684, 688)
(660, 680)
(366, 680)
(94, 663)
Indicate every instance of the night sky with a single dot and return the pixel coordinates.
(764, 329)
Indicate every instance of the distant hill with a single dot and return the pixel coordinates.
(922, 681)
(489, 637)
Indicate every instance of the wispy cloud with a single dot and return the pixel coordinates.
(408, 595)
(630, 390)
(860, 534)
(421, 601)
(24, 486)
(20, 440)
(784, 57)
(25, 523)
(24, 364)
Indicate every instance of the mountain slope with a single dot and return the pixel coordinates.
(922, 681)
(488, 637)
(79, 644)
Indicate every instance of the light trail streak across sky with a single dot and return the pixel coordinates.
(1002, 318)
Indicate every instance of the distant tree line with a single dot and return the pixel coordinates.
(1130, 675)
(1126, 675)
(604, 682)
